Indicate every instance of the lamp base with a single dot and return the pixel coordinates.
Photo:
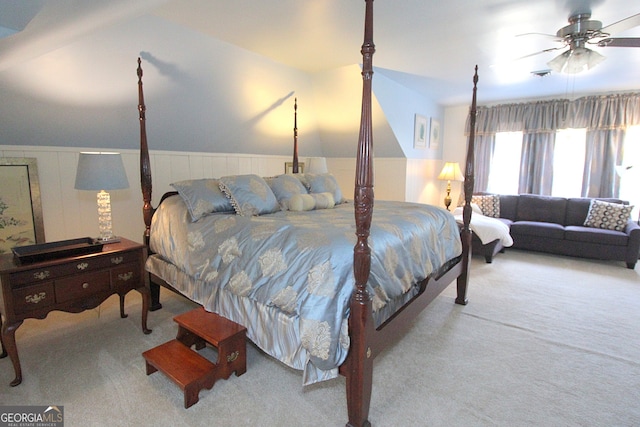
(447, 199)
(447, 202)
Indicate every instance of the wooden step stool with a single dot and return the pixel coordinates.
(191, 371)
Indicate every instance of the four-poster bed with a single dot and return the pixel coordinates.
(370, 321)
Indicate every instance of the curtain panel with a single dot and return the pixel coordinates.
(605, 117)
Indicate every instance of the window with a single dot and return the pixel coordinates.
(568, 162)
(505, 164)
(629, 171)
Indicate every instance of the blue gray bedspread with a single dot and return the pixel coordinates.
(300, 264)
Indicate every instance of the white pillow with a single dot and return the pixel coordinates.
(308, 202)
(301, 202)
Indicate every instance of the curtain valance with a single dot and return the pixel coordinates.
(604, 112)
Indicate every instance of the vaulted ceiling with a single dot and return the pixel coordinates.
(428, 45)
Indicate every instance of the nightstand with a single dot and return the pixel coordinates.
(71, 284)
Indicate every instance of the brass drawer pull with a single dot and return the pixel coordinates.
(116, 260)
(41, 275)
(82, 266)
(233, 356)
(35, 298)
(85, 285)
(125, 276)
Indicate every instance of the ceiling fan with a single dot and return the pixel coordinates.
(581, 32)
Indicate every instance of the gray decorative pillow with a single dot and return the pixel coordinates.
(284, 187)
(202, 196)
(324, 183)
(610, 216)
(489, 204)
(250, 195)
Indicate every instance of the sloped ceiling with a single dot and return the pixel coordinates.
(430, 46)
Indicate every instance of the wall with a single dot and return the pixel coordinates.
(455, 145)
(201, 94)
(400, 105)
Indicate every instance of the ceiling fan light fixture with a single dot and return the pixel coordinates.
(574, 61)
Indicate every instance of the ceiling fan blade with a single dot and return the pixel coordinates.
(620, 26)
(620, 42)
(511, 61)
(538, 53)
(549, 36)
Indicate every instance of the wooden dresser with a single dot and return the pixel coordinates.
(72, 284)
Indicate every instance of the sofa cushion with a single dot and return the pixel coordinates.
(541, 208)
(577, 233)
(509, 206)
(505, 221)
(610, 216)
(538, 229)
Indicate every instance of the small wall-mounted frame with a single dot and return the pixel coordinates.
(20, 207)
(420, 131)
(434, 135)
(288, 167)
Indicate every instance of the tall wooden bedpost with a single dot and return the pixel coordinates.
(295, 136)
(145, 182)
(145, 164)
(359, 366)
(469, 179)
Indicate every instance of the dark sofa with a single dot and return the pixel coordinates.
(556, 225)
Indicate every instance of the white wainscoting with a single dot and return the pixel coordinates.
(69, 213)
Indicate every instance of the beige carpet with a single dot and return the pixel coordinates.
(545, 340)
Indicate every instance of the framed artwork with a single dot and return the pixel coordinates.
(20, 208)
(434, 135)
(420, 131)
(288, 167)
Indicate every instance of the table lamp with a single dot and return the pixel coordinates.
(317, 165)
(450, 172)
(101, 171)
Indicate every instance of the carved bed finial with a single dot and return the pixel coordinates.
(295, 136)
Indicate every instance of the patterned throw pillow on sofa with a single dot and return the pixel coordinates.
(489, 204)
(610, 216)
